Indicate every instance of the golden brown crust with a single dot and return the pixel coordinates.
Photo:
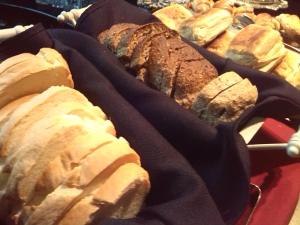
(256, 46)
(204, 28)
(265, 19)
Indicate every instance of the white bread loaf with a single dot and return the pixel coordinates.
(27, 74)
(121, 196)
(36, 108)
(93, 171)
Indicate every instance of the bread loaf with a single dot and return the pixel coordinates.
(265, 19)
(204, 28)
(201, 6)
(172, 16)
(57, 150)
(290, 28)
(258, 47)
(21, 75)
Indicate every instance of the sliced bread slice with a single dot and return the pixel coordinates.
(32, 76)
(93, 171)
(36, 108)
(36, 153)
(121, 196)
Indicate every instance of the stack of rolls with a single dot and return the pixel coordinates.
(60, 160)
(159, 58)
(259, 45)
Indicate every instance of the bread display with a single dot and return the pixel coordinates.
(227, 30)
(259, 47)
(225, 98)
(59, 153)
(166, 63)
(20, 75)
(203, 28)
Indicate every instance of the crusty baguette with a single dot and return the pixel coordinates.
(213, 88)
(121, 196)
(81, 182)
(24, 77)
(36, 108)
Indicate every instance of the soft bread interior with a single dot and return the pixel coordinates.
(10, 107)
(38, 107)
(110, 159)
(36, 154)
(121, 196)
(30, 76)
(12, 144)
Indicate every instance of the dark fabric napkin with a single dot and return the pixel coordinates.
(199, 174)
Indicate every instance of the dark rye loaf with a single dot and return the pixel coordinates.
(140, 54)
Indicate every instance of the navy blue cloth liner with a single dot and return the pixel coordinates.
(199, 174)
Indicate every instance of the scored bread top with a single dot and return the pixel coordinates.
(127, 45)
(213, 88)
(111, 37)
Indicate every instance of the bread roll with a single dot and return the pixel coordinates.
(265, 19)
(258, 47)
(110, 200)
(224, 4)
(21, 75)
(289, 68)
(201, 6)
(81, 182)
(290, 28)
(172, 16)
(204, 28)
(221, 44)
